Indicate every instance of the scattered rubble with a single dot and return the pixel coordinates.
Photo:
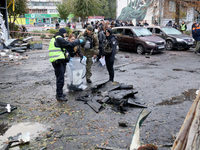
(6, 108)
(120, 95)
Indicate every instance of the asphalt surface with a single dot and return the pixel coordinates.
(160, 80)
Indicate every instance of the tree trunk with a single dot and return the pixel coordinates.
(177, 17)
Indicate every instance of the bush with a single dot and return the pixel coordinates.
(35, 42)
(188, 32)
(50, 36)
(43, 36)
(53, 31)
(69, 31)
(21, 38)
(14, 27)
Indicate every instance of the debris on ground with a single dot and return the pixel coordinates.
(20, 138)
(188, 136)
(118, 94)
(135, 143)
(6, 108)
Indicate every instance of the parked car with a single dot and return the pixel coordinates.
(173, 37)
(62, 24)
(49, 26)
(138, 39)
(40, 24)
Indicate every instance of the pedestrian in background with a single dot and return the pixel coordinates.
(109, 52)
(196, 36)
(102, 39)
(139, 24)
(58, 57)
(112, 24)
(169, 24)
(175, 25)
(57, 25)
(183, 27)
(155, 23)
(130, 23)
(90, 49)
(145, 23)
(193, 25)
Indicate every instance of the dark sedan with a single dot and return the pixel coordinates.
(174, 38)
(138, 39)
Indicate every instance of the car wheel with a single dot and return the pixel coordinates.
(187, 48)
(169, 45)
(140, 49)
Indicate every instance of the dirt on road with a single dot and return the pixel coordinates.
(166, 83)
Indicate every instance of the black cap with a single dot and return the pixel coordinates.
(62, 30)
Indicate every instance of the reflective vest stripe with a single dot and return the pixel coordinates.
(55, 50)
(54, 56)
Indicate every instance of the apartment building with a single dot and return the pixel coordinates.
(42, 11)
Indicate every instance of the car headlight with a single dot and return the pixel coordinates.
(179, 40)
(150, 43)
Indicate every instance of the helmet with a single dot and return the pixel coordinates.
(84, 40)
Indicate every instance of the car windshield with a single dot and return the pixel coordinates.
(171, 31)
(142, 32)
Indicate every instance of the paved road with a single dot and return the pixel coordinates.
(160, 80)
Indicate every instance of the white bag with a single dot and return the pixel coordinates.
(76, 69)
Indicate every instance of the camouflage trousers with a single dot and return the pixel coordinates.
(88, 67)
(197, 48)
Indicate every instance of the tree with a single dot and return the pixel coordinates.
(189, 3)
(20, 9)
(108, 9)
(64, 9)
(193, 3)
(85, 8)
(112, 8)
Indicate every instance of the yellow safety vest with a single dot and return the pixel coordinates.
(55, 53)
(183, 27)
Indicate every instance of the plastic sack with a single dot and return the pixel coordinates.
(76, 70)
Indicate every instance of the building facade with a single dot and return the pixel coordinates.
(42, 11)
(153, 10)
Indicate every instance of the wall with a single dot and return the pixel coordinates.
(137, 9)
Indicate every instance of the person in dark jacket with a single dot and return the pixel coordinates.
(193, 25)
(196, 36)
(57, 25)
(59, 64)
(109, 52)
(102, 38)
(145, 23)
(139, 24)
(130, 23)
(74, 51)
(117, 24)
(175, 25)
(169, 24)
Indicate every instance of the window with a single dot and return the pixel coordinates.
(150, 29)
(128, 32)
(119, 31)
(157, 31)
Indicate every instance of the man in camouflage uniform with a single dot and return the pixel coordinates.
(91, 51)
